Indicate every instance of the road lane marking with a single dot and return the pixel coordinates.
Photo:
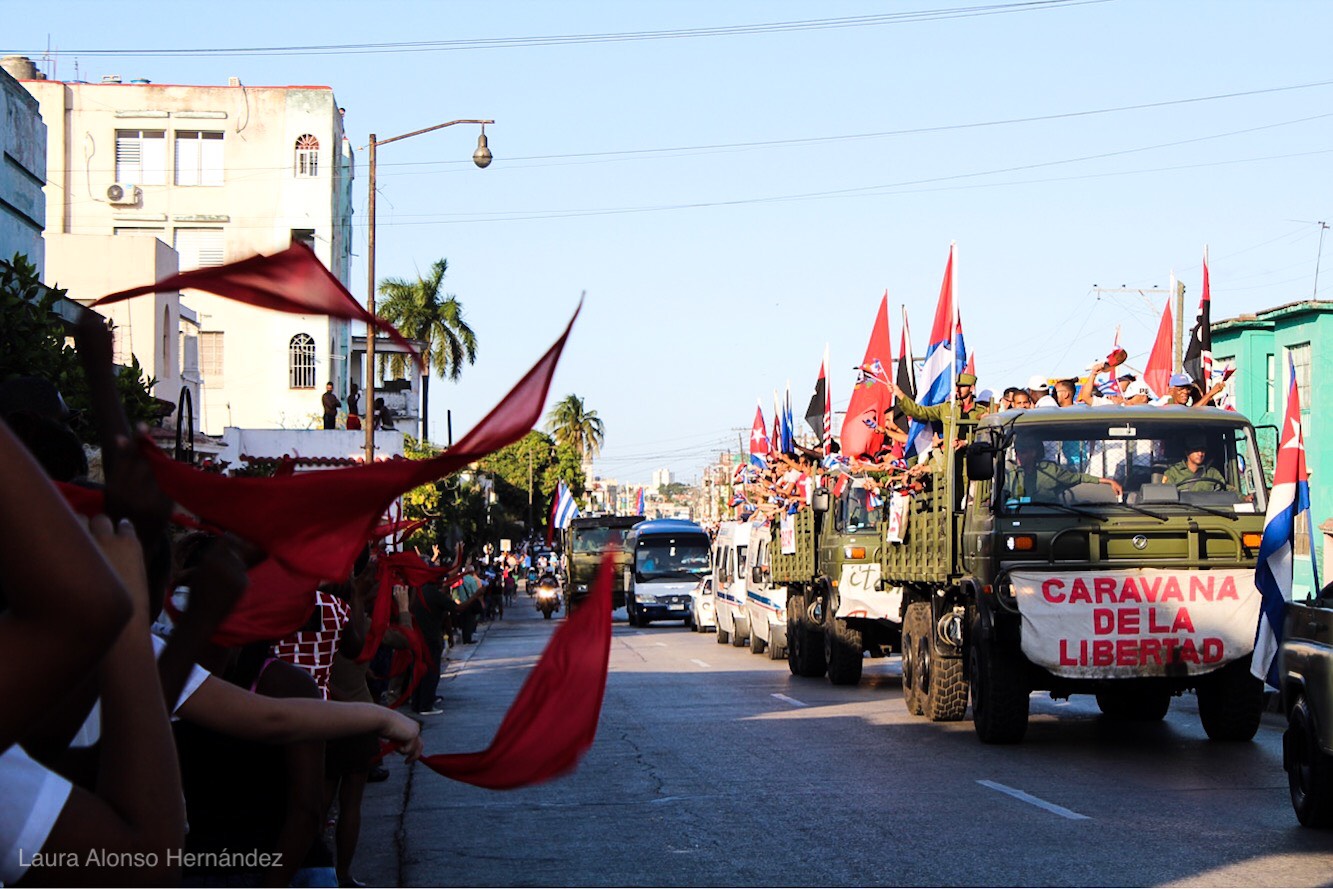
(695, 660)
(1035, 801)
(792, 701)
(660, 644)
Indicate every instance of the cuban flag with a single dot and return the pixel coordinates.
(759, 440)
(961, 359)
(938, 374)
(565, 510)
(1273, 575)
(873, 500)
(638, 503)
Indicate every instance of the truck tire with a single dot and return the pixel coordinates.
(757, 644)
(842, 652)
(999, 694)
(915, 622)
(1309, 769)
(776, 652)
(630, 616)
(1133, 704)
(739, 633)
(943, 681)
(723, 637)
(805, 646)
(1231, 702)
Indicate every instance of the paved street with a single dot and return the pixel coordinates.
(714, 766)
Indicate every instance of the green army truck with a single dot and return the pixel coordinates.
(837, 611)
(1085, 550)
(586, 538)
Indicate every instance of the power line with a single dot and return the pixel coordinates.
(895, 18)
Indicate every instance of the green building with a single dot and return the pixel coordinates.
(1260, 346)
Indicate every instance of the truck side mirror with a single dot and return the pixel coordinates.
(980, 461)
(820, 502)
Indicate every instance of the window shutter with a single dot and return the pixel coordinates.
(154, 151)
(129, 158)
(187, 158)
(200, 247)
(210, 159)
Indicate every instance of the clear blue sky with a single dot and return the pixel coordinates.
(731, 203)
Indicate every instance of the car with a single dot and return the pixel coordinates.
(1306, 668)
(702, 617)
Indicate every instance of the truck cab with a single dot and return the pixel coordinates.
(1106, 551)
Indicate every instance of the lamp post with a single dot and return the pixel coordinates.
(482, 158)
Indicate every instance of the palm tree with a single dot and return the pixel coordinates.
(573, 425)
(421, 312)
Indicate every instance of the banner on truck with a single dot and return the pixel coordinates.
(787, 534)
(858, 596)
(1136, 623)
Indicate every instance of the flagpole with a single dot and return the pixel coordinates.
(953, 306)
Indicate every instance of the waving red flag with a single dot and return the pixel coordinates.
(1157, 372)
(873, 394)
(553, 721)
(313, 524)
(293, 281)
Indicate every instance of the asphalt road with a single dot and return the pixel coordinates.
(716, 767)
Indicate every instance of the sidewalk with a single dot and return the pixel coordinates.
(380, 853)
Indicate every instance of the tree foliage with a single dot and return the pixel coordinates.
(575, 426)
(33, 343)
(421, 312)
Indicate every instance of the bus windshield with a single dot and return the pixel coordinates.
(671, 557)
(594, 540)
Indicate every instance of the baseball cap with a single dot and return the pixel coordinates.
(1037, 381)
(1182, 380)
(1138, 387)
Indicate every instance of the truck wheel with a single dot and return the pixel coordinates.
(999, 694)
(1231, 702)
(723, 637)
(1309, 769)
(914, 622)
(943, 681)
(757, 645)
(842, 652)
(630, 616)
(776, 652)
(805, 646)
(1134, 704)
(738, 632)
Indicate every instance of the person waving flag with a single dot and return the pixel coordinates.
(1273, 575)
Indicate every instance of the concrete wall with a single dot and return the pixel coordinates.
(262, 200)
(22, 174)
(147, 327)
(315, 443)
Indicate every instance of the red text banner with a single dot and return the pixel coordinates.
(1136, 623)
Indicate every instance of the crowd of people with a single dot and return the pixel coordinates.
(120, 719)
(784, 482)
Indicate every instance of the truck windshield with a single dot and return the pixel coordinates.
(671, 558)
(860, 508)
(1161, 466)
(594, 540)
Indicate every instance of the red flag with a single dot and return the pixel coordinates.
(1198, 359)
(873, 393)
(293, 281)
(1157, 373)
(553, 721)
(313, 524)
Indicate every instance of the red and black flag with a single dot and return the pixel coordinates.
(1199, 353)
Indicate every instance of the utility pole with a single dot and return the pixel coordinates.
(1177, 290)
(530, 524)
(1323, 227)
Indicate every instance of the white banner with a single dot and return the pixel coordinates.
(857, 596)
(787, 534)
(1136, 622)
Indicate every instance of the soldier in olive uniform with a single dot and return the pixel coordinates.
(1037, 478)
(1193, 473)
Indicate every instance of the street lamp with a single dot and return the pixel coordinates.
(482, 158)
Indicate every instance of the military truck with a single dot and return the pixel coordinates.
(1084, 550)
(586, 538)
(829, 558)
(1307, 698)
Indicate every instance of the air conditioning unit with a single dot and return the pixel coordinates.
(120, 193)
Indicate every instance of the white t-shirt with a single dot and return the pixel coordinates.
(91, 730)
(33, 797)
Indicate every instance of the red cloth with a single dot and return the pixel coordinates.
(553, 721)
(873, 395)
(314, 524)
(293, 281)
(1157, 372)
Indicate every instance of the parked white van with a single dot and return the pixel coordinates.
(730, 548)
(765, 604)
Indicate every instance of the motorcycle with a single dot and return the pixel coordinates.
(547, 595)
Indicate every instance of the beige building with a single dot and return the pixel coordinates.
(217, 173)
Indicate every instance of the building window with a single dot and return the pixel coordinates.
(1300, 362)
(301, 361)
(141, 157)
(210, 358)
(199, 247)
(198, 158)
(307, 157)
